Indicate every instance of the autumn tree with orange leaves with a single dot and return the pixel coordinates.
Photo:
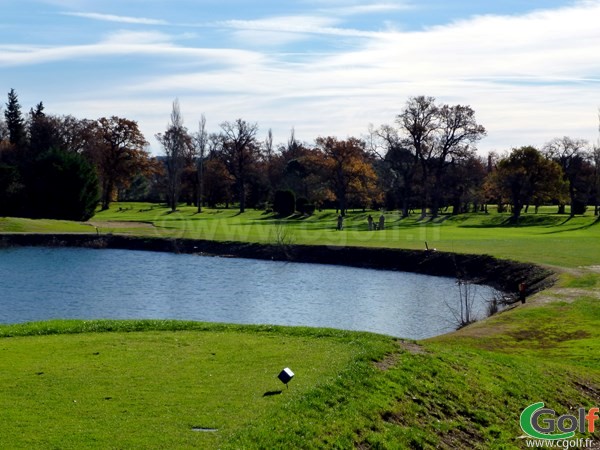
(119, 153)
(348, 170)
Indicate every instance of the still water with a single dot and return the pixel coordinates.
(75, 283)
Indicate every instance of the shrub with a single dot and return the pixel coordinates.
(62, 185)
(11, 190)
(300, 204)
(309, 209)
(284, 202)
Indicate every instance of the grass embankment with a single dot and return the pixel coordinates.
(129, 388)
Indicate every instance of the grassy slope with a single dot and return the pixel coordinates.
(464, 390)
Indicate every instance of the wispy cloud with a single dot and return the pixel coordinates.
(509, 68)
(141, 38)
(529, 77)
(124, 42)
(372, 8)
(295, 25)
(115, 18)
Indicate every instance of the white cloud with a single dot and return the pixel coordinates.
(118, 19)
(526, 83)
(372, 8)
(529, 78)
(285, 29)
(142, 38)
(124, 42)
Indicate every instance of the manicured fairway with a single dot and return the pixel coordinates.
(141, 384)
(544, 238)
(155, 388)
(150, 384)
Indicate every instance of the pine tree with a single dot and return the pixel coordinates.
(14, 120)
(42, 132)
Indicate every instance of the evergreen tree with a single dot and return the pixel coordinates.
(43, 133)
(11, 190)
(14, 120)
(63, 185)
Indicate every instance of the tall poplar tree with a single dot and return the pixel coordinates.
(177, 144)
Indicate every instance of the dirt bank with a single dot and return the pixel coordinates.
(502, 274)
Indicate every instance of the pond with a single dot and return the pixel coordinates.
(76, 283)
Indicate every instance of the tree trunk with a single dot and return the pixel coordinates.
(242, 191)
(435, 211)
(107, 188)
(405, 202)
(516, 211)
(456, 209)
(342, 206)
(200, 187)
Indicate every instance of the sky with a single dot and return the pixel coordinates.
(529, 68)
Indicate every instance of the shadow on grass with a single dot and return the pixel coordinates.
(276, 218)
(271, 393)
(567, 220)
(521, 222)
(582, 227)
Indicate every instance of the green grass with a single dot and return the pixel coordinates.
(544, 238)
(146, 384)
(18, 225)
(149, 384)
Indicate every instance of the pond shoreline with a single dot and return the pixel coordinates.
(504, 275)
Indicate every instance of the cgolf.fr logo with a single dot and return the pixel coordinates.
(541, 423)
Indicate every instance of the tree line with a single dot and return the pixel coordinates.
(425, 162)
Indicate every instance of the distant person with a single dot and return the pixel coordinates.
(340, 222)
(370, 222)
(381, 221)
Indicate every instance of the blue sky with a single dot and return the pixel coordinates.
(530, 69)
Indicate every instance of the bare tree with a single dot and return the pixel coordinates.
(457, 131)
(269, 144)
(239, 151)
(438, 136)
(573, 156)
(201, 140)
(3, 127)
(463, 314)
(269, 154)
(419, 122)
(401, 163)
(177, 144)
